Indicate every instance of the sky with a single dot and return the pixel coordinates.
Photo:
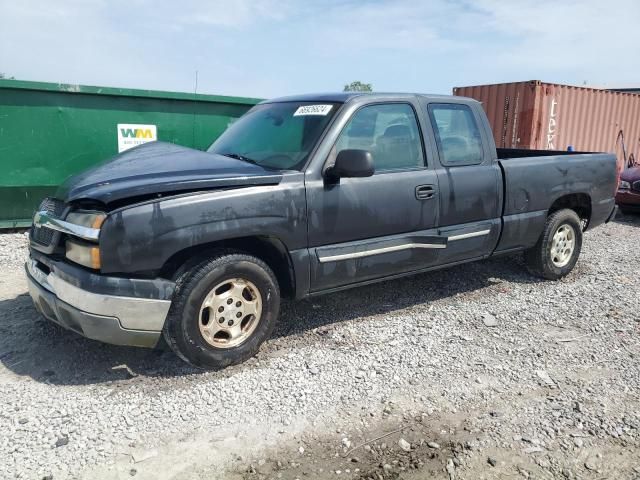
(270, 48)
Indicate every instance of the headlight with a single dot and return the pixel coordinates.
(83, 253)
(624, 185)
(80, 251)
(86, 219)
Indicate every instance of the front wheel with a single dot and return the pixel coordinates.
(223, 310)
(558, 248)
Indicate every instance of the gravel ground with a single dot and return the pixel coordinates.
(13, 251)
(480, 371)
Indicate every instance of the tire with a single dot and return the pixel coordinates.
(187, 326)
(541, 261)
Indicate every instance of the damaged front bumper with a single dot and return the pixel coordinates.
(114, 310)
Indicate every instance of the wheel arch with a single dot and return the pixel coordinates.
(269, 249)
(578, 202)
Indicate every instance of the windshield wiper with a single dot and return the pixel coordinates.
(237, 156)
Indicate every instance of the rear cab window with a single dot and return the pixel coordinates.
(457, 134)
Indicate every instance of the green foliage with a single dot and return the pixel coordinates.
(358, 86)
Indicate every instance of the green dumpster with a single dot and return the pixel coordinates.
(51, 131)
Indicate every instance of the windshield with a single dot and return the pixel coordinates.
(276, 135)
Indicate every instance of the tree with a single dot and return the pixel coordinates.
(2, 75)
(358, 86)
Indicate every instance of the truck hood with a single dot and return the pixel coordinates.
(160, 167)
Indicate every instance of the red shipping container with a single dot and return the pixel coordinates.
(548, 116)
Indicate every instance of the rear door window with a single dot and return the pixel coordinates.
(457, 134)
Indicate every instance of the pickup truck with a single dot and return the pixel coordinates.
(301, 196)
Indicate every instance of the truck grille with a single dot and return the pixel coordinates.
(44, 236)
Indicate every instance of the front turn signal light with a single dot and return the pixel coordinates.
(85, 254)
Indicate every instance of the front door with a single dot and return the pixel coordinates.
(366, 228)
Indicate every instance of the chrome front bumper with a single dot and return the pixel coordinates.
(120, 320)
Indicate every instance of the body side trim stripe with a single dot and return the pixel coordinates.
(378, 251)
(396, 248)
(469, 235)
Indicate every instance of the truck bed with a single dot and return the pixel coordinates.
(539, 177)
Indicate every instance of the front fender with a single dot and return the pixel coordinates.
(142, 237)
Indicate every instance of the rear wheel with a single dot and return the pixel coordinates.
(558, 248)
(223, 310)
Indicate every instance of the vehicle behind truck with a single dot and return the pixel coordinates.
(301, 196)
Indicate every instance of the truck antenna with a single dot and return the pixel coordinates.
(193, 123)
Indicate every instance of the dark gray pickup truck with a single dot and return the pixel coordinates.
(301, 196)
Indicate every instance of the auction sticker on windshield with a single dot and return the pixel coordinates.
(312, 110)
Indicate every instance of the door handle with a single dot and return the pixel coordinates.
(425, 192)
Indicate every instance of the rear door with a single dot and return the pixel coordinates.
(469, 179)
(367, 228)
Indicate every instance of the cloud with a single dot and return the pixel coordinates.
(590, 37)
(277, 47)
(236, 14)
(362, 26)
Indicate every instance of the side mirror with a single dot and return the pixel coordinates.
(352, 164)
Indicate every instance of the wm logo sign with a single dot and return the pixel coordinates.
(136, 133)
(131, 135)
